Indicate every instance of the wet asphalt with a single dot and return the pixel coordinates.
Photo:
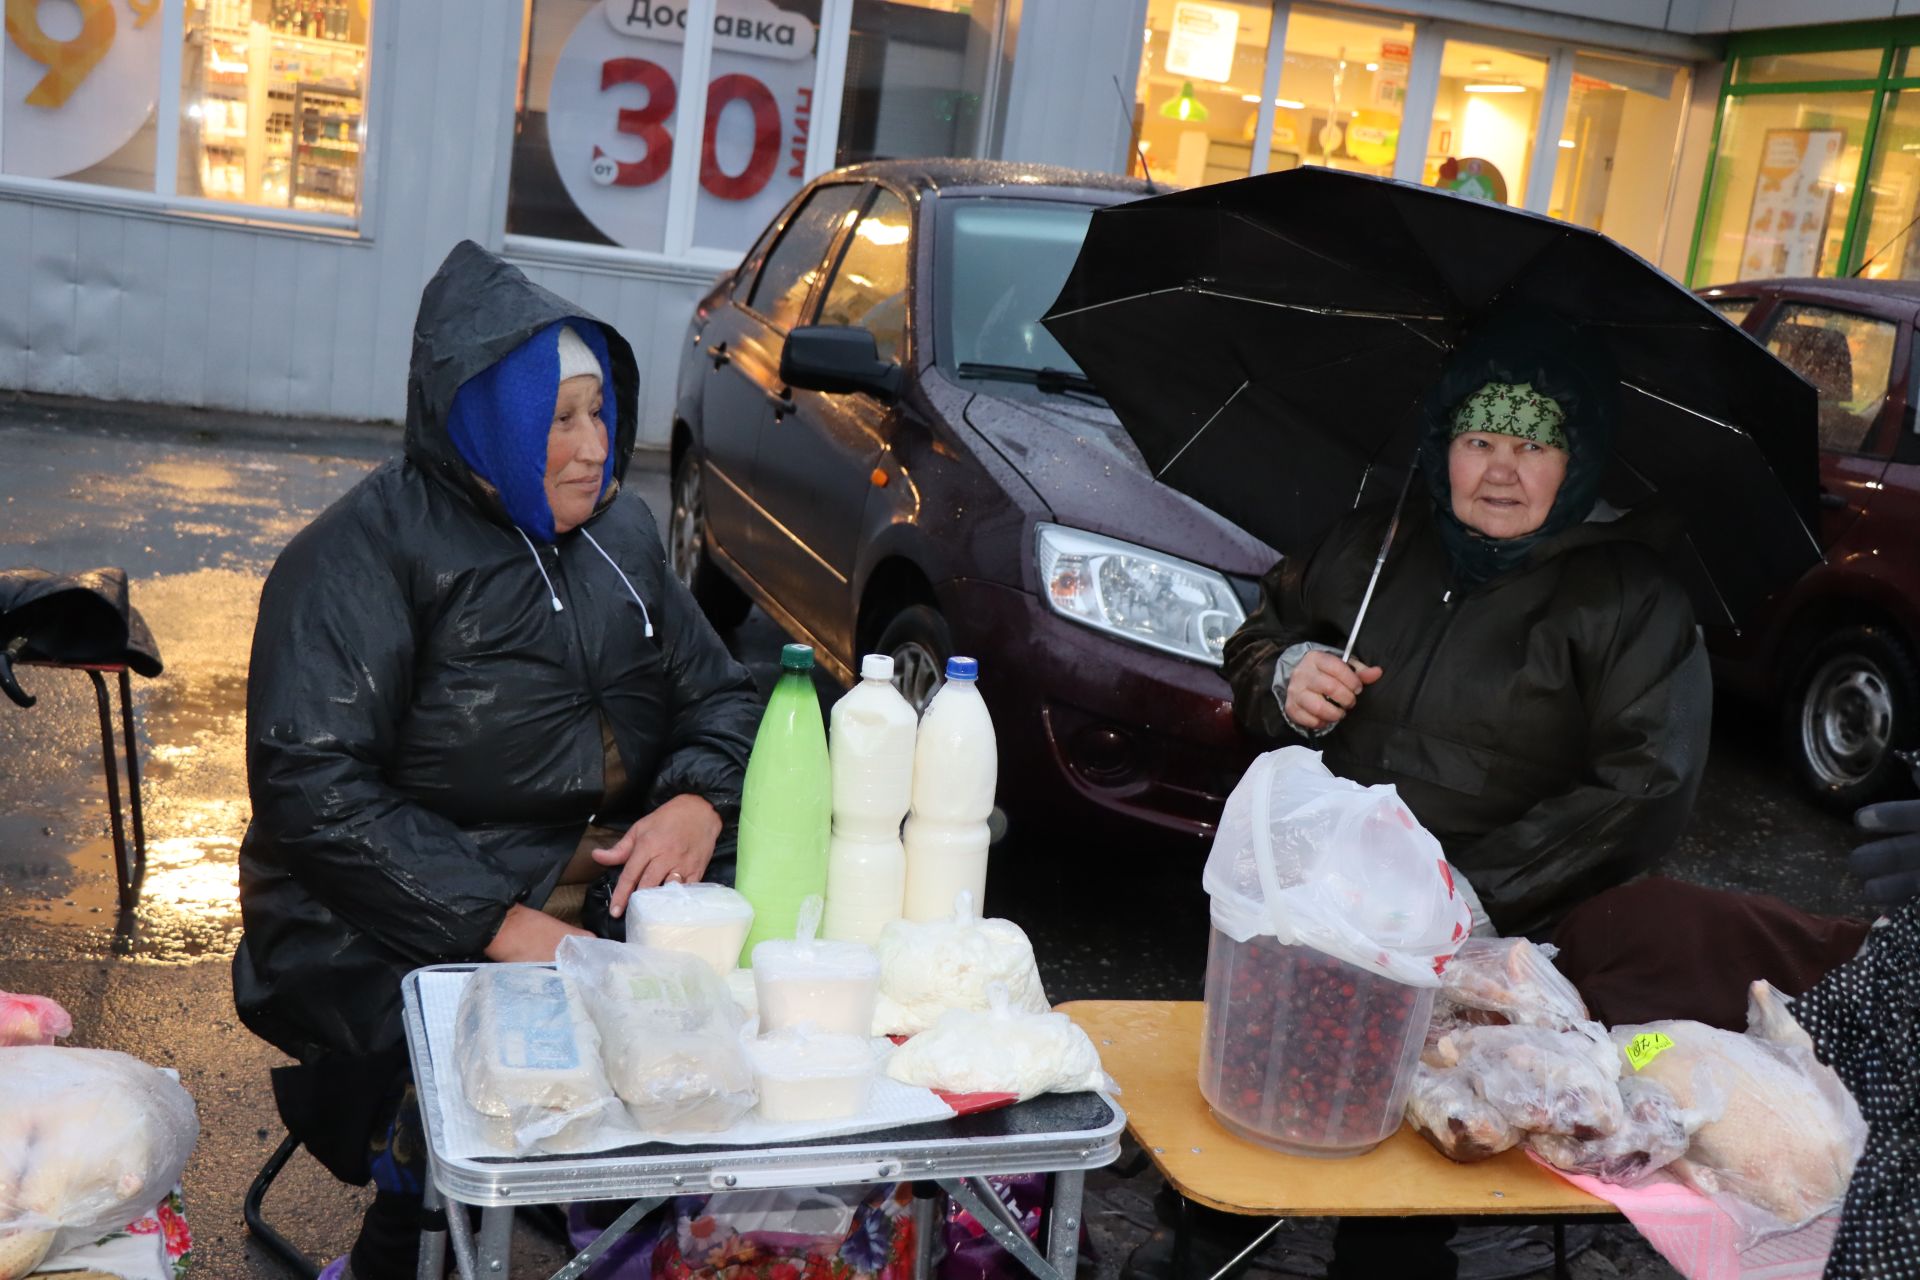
(195, 508)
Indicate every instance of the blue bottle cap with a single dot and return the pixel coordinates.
(963, 669)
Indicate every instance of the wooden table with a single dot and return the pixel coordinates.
(1152, 1050)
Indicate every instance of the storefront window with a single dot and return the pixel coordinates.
(1792, 68)
(1342, 90)
(79, 82)
(1890, 239)
(917, 73)
(271, 102)
(1198, 95)
(1485, 121)
(1782, 186)
(1616, 148)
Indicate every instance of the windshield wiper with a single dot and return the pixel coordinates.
(1053, 381)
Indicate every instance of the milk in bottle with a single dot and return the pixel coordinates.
(871, 736)
(955, 767)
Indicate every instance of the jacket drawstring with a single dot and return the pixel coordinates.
(644, 615)
(538, 564)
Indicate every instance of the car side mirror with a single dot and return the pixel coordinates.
(838, 359)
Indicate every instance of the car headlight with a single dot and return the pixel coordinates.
(1140, 595)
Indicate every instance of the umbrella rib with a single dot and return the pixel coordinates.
(1398, 317)
(1712, 583)
(1245, 383)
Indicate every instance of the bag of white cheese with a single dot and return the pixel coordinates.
(928, 967)
(528, 1058)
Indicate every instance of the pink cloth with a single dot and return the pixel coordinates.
(1701, 1241)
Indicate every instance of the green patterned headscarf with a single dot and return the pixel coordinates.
(1512, 409)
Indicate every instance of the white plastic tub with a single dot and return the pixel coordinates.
(806, 1076)
(829, 986)
(706, 920)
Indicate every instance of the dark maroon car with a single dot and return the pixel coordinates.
(1836, 652)
(877, 442)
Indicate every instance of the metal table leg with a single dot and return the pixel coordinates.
(495, 1250)
(602, 1242)
(978, 1199)
(929, 1222)
(130, 887)
(433, 1231)
(122, 866)
(1063, 1221)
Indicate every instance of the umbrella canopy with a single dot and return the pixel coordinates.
(1268, 344)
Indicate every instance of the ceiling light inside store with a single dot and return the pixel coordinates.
(1288, 103)
(1185, 107)
(1566, 144)
(1496, 88)
(1373, 66)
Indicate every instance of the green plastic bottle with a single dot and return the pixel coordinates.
(786, 810)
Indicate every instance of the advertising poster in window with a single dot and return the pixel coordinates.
(78, 81)
(612, 130)
(1792, 203)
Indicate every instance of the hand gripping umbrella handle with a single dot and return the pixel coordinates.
(1380, 561)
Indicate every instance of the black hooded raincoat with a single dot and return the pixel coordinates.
(425, 731)
(1549, 726)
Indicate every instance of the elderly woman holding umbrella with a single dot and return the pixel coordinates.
(1534, 683)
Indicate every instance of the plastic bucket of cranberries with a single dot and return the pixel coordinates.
(1333, 915)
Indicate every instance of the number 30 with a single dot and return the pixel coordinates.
(648, 124)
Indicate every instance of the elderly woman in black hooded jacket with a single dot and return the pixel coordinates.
(1533, 680)
(475, 686)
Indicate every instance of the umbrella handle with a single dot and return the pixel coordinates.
(1380, 561)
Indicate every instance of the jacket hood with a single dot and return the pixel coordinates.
(474, 312)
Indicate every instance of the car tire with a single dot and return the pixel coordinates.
(725, 605)
(1853, 706)
(919, 642)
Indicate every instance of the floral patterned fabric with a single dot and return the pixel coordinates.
(1513, 409)
(710, 1242)
(156, 1247)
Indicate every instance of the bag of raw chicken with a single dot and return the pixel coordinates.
(31, 1020)
(89, 1140)
(1316, 860)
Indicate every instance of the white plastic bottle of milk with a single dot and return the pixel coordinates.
(871, 748)
(955, 767)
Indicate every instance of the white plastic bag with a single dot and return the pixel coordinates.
(670, 1034)
(529, 1057)
(1782, 1151)
(929, 967)
(1515, 979)
(1001, 1050)
(1541, 1079)
(1446, 1110)
(1655, 1131)
(1345, 869)
(31, 1020)
(89, 1140)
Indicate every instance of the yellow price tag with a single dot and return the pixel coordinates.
(1647, 1046)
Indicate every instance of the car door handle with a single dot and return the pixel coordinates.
(1832, 501)
(718, 354)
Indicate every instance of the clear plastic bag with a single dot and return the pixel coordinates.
(829, 986)
(1783, 1147)
(1654, 1132)
(31, 1020)
(1001, 1050)
(1313, 859)
(1446, 1110)
(1541, 1079)
(703, 919)
(1513, 978)
(529, 1057)
(928, 967)
(671, 1036)
(89, 1140)
(806, 1074)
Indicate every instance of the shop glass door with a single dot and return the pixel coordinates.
(1486, 120)
(1343, 90)
(1614, 167)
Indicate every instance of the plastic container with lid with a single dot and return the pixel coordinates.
(871, 737)
(829, 986)
(1306, 1053)
(804, 1074)
(702, 919)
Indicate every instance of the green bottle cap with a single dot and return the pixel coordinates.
(796, 657)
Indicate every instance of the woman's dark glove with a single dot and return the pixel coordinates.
(1889, 867)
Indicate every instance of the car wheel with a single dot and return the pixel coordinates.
(725, 605)
(1853, 708)
(918, 641)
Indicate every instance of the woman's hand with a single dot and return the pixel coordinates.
(1323, 689)
(674, 842)
(527, 934)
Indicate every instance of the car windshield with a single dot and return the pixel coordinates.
(1001, 266)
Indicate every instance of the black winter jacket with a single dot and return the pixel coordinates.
(1548, 727)
(424, 730)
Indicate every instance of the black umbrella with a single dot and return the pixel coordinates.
(1268, 343)
(79, 618)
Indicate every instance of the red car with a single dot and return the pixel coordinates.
(1837, 651)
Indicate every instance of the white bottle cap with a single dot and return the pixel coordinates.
(876, 666)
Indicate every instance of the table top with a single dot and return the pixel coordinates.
(1152, 1050)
